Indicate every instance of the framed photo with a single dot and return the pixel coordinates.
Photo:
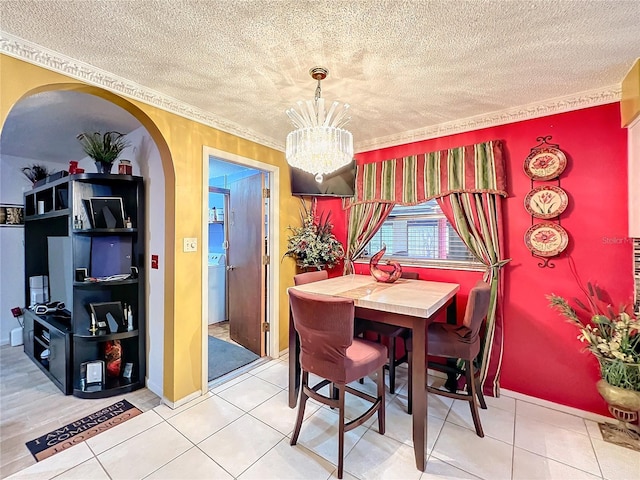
(128, 371)
(11, 215)
(109, 314)
(107, 212)
(92, 375)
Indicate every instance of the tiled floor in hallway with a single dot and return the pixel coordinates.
(241, 429)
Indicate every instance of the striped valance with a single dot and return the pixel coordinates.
(415, 179)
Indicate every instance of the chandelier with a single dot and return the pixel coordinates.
(319, 145)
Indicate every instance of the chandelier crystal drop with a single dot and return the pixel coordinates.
(319, 145)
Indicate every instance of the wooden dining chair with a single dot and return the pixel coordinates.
(459, 341)
(309, 277)
(389, 335)
(329, 350)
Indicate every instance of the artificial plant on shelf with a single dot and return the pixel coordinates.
(313, 245)
(36, 172)
(612, 335)
(103, 148)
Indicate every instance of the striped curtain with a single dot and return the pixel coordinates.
(415, 179)
(476, 219)
(365, 219)
(468, 183)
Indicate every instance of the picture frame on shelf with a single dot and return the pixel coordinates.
(110, 314)
(127, 372)
(92, 375)
(107, 212)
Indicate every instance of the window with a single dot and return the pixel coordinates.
(422, 235)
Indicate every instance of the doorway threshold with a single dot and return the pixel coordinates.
(216, 382)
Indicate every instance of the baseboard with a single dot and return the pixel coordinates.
(556, 406)
(157, 389)
(542, 403)
(182, 401)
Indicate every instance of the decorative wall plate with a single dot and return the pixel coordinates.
(545, 163)
(546, 239)
(546, 201)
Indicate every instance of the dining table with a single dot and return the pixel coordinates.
(406, 303)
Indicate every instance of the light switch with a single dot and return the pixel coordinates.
(190, 244)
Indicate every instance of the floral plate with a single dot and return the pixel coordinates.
(545, 163)
(546, 239)
(546, 201)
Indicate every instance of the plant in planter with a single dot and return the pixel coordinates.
(36, 172)
(104, 149)
(313, 245)
(613, 337)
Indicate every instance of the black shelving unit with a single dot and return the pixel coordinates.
(65, 202)
(47, 341)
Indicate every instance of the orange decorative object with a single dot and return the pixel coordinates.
(384, 275)
(113, 357)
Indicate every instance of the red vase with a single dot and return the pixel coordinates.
(113, 357)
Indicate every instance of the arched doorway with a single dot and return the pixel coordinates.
(52, 116)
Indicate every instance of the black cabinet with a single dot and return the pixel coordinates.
(86, 232)
(47, 340)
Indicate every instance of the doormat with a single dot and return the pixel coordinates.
(619, 435)
(81, 430)
(224, 357)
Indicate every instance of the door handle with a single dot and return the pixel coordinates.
(230, 267)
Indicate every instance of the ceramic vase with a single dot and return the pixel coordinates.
(103, 167)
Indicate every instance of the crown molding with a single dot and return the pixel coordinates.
(43, 57)
(576, 101)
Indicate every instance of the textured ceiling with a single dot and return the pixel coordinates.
(403, 66)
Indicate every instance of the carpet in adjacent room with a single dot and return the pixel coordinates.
(224, 357)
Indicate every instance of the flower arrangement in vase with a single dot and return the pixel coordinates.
(613, 337)
(104, 149)
(313, 245)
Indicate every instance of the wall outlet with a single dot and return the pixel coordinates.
(190, 245)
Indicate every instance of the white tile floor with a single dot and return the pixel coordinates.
(241, 429)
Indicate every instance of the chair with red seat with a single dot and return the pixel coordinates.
(462, 342)
(309, 277)
(329, 350)
(389, 334)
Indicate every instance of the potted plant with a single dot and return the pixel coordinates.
(104, 149)
(613, 337)
(36, 173)
(313, 245)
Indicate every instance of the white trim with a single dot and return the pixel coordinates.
(273, 272)
(540, 402)
(43, 57)
(38, 55)
(182, 401)
(568, 103)
(556, 406)
(154, 387)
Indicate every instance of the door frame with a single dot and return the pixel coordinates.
(273, 235)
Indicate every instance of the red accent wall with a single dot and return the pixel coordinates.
(542, 356)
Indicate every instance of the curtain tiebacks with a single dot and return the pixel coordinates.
(500, 263)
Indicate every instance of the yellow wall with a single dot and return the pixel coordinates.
(180, 142)
(630, 102)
